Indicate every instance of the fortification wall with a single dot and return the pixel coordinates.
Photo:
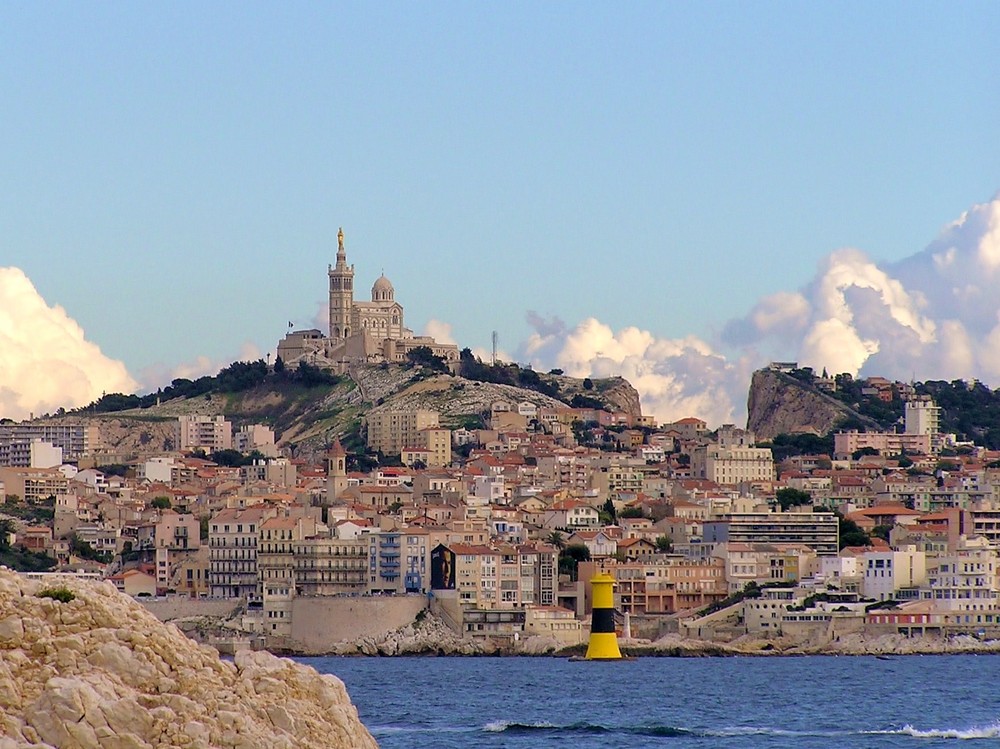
(319, 623)
(168, 609)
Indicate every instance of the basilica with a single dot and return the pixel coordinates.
(359, 331)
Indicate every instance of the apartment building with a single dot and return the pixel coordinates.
(330, 566)
(965, 583)
(391, 431)
(888, 572)
(76, 440)
(208, 433)
(502, 577)
(35, 453)
(232, 538)
(276, 568)
(818, 530)
(34, 485)
(732, 465)
(664, 583)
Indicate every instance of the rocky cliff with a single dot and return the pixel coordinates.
(780, 404)
(100, 671)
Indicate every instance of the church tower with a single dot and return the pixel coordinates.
(341, 293)
(336, 476)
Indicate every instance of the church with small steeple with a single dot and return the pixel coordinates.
(359, 331)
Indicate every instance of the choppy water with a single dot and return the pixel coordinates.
(807, 703)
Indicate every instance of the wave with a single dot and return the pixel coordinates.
(504, 726)
(501, 726)
(991, 731)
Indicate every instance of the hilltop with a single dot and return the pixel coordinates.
(797, 401)
(307, 408)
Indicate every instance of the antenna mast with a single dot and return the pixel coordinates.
(496, 339)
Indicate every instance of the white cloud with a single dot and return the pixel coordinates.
(675, 377)
(45, 360)
(439, 331)
(935, 314)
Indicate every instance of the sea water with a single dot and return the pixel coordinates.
(809, 702)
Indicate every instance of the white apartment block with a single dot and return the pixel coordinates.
(888, 572)
(923, 416)
(209, 433)
(35, 453)
(965, 582)
(76, 440)
(732, 465)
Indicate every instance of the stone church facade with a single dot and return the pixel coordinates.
(359, 331)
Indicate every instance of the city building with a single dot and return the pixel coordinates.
(208, 433)
(232, 539)
(817, 530)
(76, 440)
(923, 416)
(391, 431)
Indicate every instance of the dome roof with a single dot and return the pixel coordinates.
(382, 289)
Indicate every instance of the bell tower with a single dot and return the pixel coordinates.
(341, 293)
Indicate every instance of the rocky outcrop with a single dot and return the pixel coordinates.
(620, 395)
(427, 636)
(780, 404)
(101, 671)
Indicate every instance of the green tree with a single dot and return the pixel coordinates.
(570, 558)
(858, 454)
(160, 503)
(881, 531)
(425, 357)
(588, 384)
(608, 512)
(6, 528)
(664, 545)
(557, 539)
(851, 533)
(788, 497)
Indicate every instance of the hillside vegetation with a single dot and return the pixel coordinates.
(308, 407)
(791, 403)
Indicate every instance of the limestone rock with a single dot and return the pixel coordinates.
(780, 404)
(100, 671)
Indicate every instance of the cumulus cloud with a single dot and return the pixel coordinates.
(932, 315)
(439, 331)
(935, 314)
(675, 377)
(45, 360)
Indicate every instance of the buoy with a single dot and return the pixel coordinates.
(603, 645)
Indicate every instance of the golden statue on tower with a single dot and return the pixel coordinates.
(340, 239)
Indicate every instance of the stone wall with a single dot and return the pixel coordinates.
(169, 609)
(319, 623)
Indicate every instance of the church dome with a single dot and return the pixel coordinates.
(382, 290)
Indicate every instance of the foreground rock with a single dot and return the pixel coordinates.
(100, 671)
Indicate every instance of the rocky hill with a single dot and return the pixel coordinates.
(778, 403)
(306, 417)
(97, 670)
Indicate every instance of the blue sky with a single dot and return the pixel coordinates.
(174, 174)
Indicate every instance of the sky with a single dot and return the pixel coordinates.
(673, 192)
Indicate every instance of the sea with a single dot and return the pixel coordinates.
(820, 702)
